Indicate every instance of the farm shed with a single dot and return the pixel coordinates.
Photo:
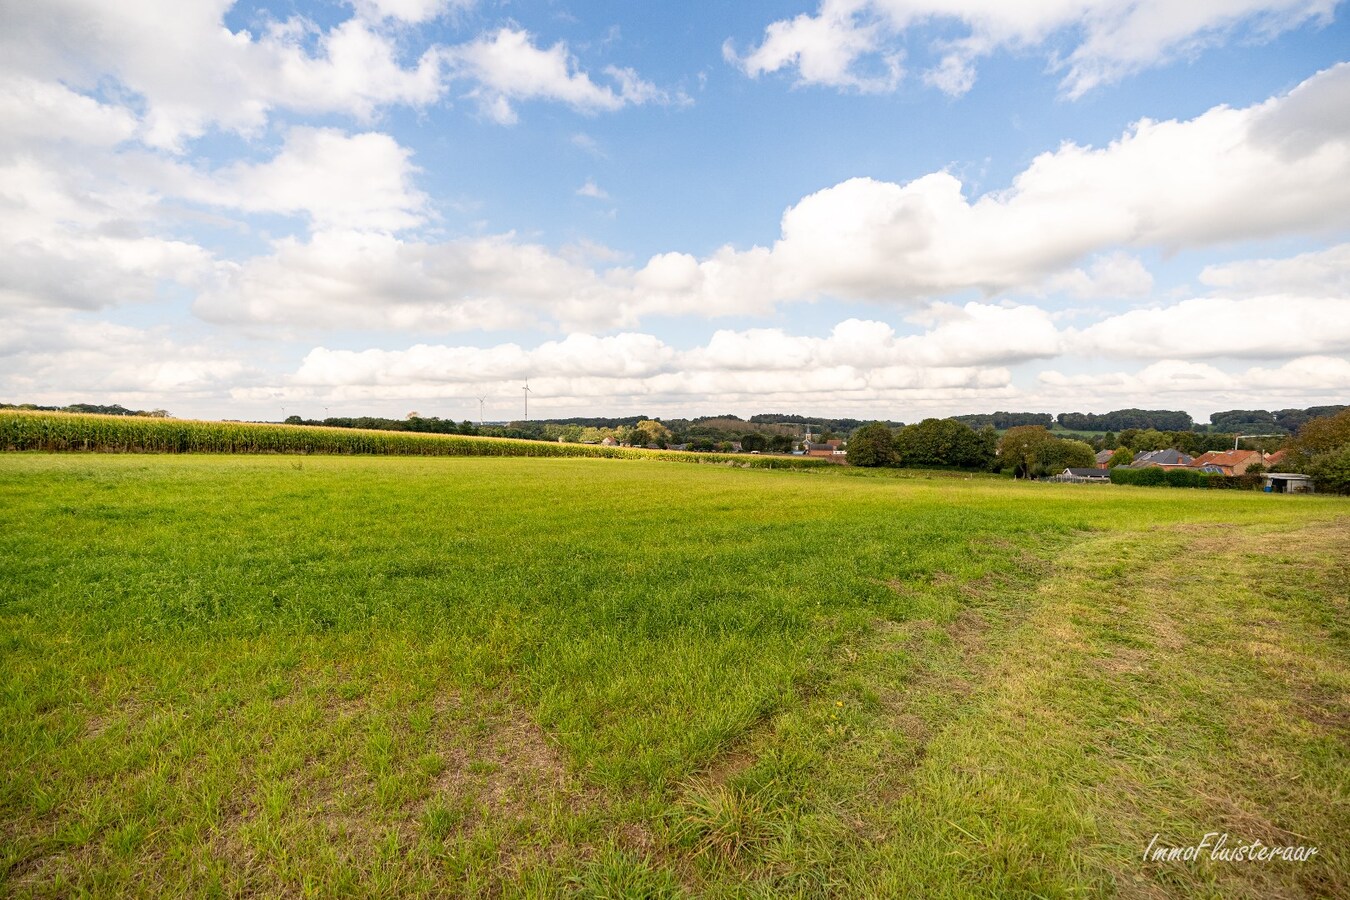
(1288, 483)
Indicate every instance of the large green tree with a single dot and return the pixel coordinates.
(753, 442)
(1021, 448)
(872, 445)
(1058, 455)
(1322, 450)
(1331, 470)
(945, 442)
(649, 432)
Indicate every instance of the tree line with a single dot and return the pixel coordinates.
(1024, 451)
(92, 409)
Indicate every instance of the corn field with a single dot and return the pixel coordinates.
(69, 432)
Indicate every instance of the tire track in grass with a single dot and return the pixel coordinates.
(1140, 699)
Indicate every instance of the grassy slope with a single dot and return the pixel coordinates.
(268, 675)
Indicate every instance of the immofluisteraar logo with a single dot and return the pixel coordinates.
(1222, 848)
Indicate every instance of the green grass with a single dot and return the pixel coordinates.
(322, 676)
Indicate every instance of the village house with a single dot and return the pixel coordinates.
(1163, 459)
(832, 450)
(1104, 457)
(1227, 462)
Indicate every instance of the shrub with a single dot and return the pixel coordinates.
(1150, 477)
(1184, 478)
(1155, 476)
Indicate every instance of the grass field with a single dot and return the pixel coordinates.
(320, 676)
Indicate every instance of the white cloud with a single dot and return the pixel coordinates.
(52, 357)
(957, 338)
(1109, 39)
(370, 280)
(824, 49)
(338, 181)
(979, 333)
(1309, 373)
(37, 112)
(1306, 377)
(859, 362)
(1226, 175)
(585, 142)
(193, 72)
(412, 12)
(1321, 273)
(348, 278)
(508, 67)
(88, 228)
(1222, 176)
(592, 190)
(1266, 326)
(71, 240)
(1108, 276)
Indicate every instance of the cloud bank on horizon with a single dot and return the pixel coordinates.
(880, 208)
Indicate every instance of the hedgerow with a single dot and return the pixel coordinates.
(1155, 476)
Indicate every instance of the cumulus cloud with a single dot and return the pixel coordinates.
(1108, 276)
(1059, 226)
(1225, 175)
(351, 278)
(53, 357)
(859, 361)
(412, 12)
(88, 229)
(824, 49)
(336, 180)
(72, 241)
(1321, 273)
(37, 112)
(1222, 176)
(375, 280)
(507, 67)
(156, 50)
(846, 41)
(980, 333)
(1306, 376)
(1265, 326)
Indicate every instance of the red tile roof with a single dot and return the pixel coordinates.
(1226, 458)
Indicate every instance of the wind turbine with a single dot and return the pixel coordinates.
(526, 389)
(481, 401)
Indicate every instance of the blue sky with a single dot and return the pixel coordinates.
(877, 208)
